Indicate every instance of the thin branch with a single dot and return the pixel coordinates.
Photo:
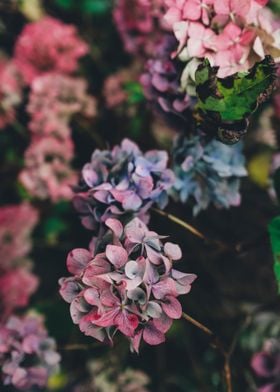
(77, 347)
(190, 228)
(180, 222)
(216, 343)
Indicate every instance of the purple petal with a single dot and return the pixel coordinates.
(115, 225)
(172, 307)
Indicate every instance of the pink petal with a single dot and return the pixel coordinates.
(163, 323)
(115, 225)
(172, 307)
(77, 260)
(152, 335)
(116, 255)
(173, 251)
(127, 323)
(164, 287)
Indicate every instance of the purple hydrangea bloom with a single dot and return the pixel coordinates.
(266, 365)
(27, 355)
(127, 284)
(209, 172)
(122, 181)
(162, 86)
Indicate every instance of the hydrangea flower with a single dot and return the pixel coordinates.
(16, 287)
(266, 366)
(27, 355)
(139, 24)
(122, 181)
(107, 375)
(15, 241)
(47, 172)
(126, 284)
(54, 99)
(161, 83)
(48, 45)
(207, 172)
(232, 34)
(10, 92)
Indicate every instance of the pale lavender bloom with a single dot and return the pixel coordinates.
(207, 172)
(27, 354)
(122, 181)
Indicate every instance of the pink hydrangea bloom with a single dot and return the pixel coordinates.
(10, 92)
(16, 225)
(139, 24)
(54, 99)
(114, 91)
(16, 287)
(232, 34)
(48, 45)
(21, 339)
(47, 172)
(131, 286)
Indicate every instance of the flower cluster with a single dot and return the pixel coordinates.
(17, 283)
(127, 283)
(27, 355)
(161, 83)
(46, 46)
(231, 34)
(47, 172)
(15, 242)
(46, 53)
(140, 24)
(122, 181)
(209, 172)
(266, 366)
(53, 100)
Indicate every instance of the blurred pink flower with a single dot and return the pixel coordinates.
(16, 287)
(131, 287)
(16, 224)
(114, 91)
(47, 172)
(48, 45)
(54, 99)
(21, 339)
(10, 91)
(139, 24)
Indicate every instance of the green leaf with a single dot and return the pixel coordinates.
(135, 92)
(235, 97)
(97, 7)
(274, 231)
(67, 4)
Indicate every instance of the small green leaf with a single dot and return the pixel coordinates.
(97, 7)
(225, 105)
(274, 231)
(135, 92)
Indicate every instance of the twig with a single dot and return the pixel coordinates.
(190, 228)
(77, 347)
(216, 343)
(180, 222)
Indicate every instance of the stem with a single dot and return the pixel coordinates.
(216, 343)
(180, 222)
